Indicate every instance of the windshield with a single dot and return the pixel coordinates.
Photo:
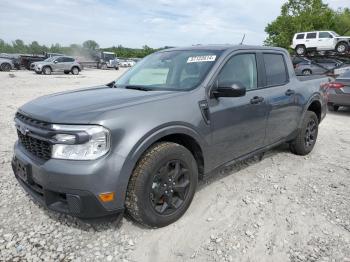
(335, 34)
(50, 59)
(170, 70)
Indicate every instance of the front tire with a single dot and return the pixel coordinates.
(47, 70)
(162, 185)
(306, 138)
(342, 47)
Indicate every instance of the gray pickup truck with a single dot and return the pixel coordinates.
(140, 143)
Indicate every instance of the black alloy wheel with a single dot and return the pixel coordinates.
(170, 187)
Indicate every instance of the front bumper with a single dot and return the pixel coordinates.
(70, 187)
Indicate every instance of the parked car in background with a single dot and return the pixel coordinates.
(6, 64)
(64, 64)
(338, 92)
(317, 66)
(298, 59)
(15, 58)
(320, 41)
(141, 142)
(123, 63)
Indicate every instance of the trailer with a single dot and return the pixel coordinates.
(314, 56)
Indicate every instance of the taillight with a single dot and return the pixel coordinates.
(335, 85)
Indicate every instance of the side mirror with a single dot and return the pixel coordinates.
(235, 89)
(55, 61)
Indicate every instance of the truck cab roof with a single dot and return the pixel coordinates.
(224, 48)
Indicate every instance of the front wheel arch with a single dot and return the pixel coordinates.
(150, 139)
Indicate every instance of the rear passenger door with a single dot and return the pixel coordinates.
(284, 111)
(67, 63)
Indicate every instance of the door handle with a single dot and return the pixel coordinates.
(290, 92)
(256, 100)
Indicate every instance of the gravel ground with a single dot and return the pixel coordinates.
(281, 208)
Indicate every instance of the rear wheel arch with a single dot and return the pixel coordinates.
(314, 104)
(316, 107)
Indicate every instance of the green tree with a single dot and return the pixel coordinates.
(19, 46)
(304, 15)
(35, 48)
(91, 44)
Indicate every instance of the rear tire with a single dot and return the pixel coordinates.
(75, 70)
(66, 72)
(342, 47)
(6, 67)
(307, 136)
(162, 185)
(332, 107)
(47, 70)
(300, 50)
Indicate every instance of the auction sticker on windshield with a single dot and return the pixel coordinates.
(203, 58)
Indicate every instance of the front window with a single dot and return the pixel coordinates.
(50, 59)
(109, 56)
(170, 70)
(324, 35)
(241, 69)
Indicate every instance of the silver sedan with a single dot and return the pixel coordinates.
(339, 92)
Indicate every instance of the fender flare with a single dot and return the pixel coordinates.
(313, 98)
(146, 141)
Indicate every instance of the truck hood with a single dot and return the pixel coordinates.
(83, 106)
(342, 37)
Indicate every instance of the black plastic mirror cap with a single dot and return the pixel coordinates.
(230, 90)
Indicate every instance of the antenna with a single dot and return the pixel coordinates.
(242, 40)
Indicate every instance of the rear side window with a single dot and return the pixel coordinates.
(300, 36)
(276, 71)
(311, 35)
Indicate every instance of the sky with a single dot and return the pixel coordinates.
(134, 23)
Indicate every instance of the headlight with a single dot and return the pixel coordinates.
(80, 142)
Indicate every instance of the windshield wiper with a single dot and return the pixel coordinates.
(141, 88)
(111, 84)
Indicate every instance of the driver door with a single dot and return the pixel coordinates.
(238, 123)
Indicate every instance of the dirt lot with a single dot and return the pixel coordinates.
(282, 208)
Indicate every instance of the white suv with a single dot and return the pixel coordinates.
(320, 41)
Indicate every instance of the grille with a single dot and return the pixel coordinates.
(39, 148)
(33, 122)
